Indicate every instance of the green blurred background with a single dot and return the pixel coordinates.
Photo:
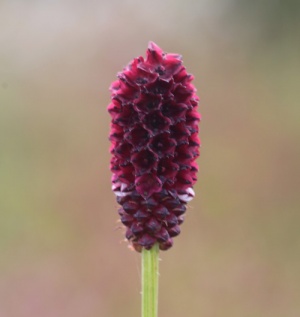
(61, 252)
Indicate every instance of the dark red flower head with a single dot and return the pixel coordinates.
(154, 145)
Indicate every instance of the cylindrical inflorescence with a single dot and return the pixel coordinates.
(154, 145)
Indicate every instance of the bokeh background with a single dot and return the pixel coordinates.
(61, 249)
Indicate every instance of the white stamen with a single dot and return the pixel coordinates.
(190, 194)
(123, 186)
(190, 191)
(116, 185)
(121, 194)
(118, 188)
(185, 198)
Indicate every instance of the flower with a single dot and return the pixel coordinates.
(154, 145)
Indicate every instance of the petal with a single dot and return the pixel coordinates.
(162, 145)
(171, 221)
(137, 228)
(148, 102)
(172, 203)
(154, 57)
(182, 93)
(148, 184)
(184, 180)
(194, 140)
(167, 170)
(138, 137)
(184, 154)
(127, 219)
(193, 115)
(180, 133)
(127, 118)
(115, 86)
(146, 241)
(174, 111)
(144, 161)
(125, 175)
(135, 76)
(149, 204)
(124, 92)
(194, 101)
(166, 245)
(129, 235)
(153, 225)
(156, 123)
(175, 231)
(194, 167)
(180, 219)
(154, 53)
(172, 64)
(123, 151)
(116, 132)
(141, 215)
(114, 107)
(130, 206)
(179, 210)
(159, 87)
(161, 212)
(181, 75)
(162, 235)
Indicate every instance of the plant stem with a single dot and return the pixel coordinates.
(150, 281)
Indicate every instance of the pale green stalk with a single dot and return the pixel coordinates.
(150, 281)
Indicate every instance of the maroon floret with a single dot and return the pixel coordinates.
(154, 145)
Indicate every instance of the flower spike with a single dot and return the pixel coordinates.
(154, 145)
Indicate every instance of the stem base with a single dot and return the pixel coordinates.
(150, 281)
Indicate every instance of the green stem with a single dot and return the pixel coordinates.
(150, 281)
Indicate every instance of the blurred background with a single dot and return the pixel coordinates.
(61, 252)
